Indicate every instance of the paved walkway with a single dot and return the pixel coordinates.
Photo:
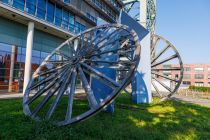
(11, 95)
(190, 99)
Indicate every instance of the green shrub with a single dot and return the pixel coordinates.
(201, 89)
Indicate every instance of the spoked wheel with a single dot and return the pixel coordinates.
(167, 67)
(52, 94)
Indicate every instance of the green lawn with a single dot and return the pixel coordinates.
(165, 120)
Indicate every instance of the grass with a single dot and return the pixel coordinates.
(164, 120)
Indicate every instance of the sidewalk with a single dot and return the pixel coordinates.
(190, 99)
(12, 95)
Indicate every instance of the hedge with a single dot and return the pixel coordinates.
(201, 89)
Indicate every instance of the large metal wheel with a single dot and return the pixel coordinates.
(167, 67)
(77, 62)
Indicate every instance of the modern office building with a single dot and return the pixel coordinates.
(31, 29)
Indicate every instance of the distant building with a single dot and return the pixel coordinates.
(194, 74)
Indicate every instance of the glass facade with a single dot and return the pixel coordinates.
(19, 4)
(5, 64)
(100, 4)
(58, 16)
(79, 27)
(41, 5)
(19, 65)
(49, 12)
(65, 22)
(31, 6)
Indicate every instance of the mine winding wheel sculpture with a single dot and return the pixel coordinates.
(164, 86)
(166, 67)
(79, 61)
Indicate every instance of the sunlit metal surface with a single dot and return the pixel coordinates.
(75, 63)
(166, 62)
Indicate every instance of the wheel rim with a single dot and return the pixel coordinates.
(82, 57)
(165, 60)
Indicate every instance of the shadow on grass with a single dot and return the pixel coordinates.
(164, 120)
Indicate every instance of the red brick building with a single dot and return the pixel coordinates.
(195, 74)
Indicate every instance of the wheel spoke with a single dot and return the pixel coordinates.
(120, 51)
(43, 81)
(165, 60)
(109, 42)
(100, 79)
(169, 69)
(157, 89)
(52, 91)
(71, 96)
(44, 89)
(166, 77)
(165, 86)
(122, 62)
(162, 51)
(92, 100)
(63, 55)
(108, 36)
(99, 74)
(99, 35)
(60, 93)
(71, 49)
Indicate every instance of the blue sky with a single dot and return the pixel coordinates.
(186, 24)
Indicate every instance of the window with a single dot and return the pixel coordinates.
(19, 4)
(186, 76)
(65, 21)
(199, 84)
(198, 70)
(36, 57)
(31, 6)
(58, 16)
(187, 69)
(41, 9)
(50, 12)
(71, 23)
(209, 76)
(186, 83)
(199, 76)
(79, 27)
(208, 84)
(208, 69)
